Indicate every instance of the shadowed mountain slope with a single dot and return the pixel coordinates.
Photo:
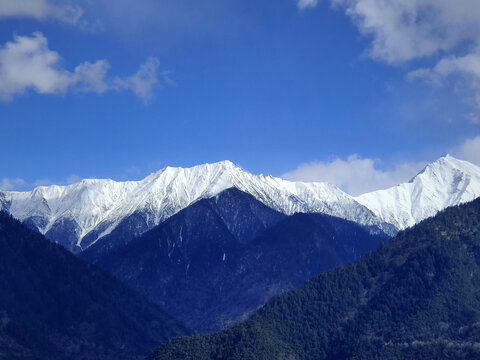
(416, 297)
(55, 306)
(218, 260)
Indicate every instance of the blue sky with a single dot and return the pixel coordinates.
(313, 91)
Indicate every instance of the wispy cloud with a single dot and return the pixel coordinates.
(41, 10)
(443, 32)
(355, 175)
(72, 179)
(306, 4)
(27, 63)
(18, 184)
(11, 184)
(463, 71)
(39, 182)
(469, 150)
(142, 82)
(404, 30)
(123, 16)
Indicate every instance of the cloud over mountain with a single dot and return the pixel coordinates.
(469, 150)
(355, 175)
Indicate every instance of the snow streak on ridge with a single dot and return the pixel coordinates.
(94, 208)
(100, 205)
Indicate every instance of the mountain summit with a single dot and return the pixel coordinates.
(446, 182)
(80, 214)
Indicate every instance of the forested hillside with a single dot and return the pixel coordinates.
(55, 306)
(416, 297)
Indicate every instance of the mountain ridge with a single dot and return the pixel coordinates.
(91, 209)
(79, 215)
(445, 182)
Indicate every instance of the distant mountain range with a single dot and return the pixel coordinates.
(416, 297)
(80, 215)
(55, 306)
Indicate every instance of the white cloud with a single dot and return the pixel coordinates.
(72, 179)
(402, 30)
(473, 117)
(27, 63)
(41, 182)
(11, 184)
(464, 71)
(306, 4)
(444, 31)
(143, 82)
(41, 10)
(469, 150)
(18, 184)
(91, 77)
(355, 175)
(128, 18)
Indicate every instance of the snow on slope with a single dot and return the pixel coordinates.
(443, 183)
(78, 215)
(98, 206)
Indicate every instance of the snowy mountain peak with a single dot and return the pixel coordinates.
(91, 209)
(445, 182)
(224, 165)
(445, 161)
(80, 214)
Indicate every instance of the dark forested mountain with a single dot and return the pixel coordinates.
(55, 306)
(416, 297)
(220, 259)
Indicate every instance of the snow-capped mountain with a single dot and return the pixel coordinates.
(78, 215)
(443, 183)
